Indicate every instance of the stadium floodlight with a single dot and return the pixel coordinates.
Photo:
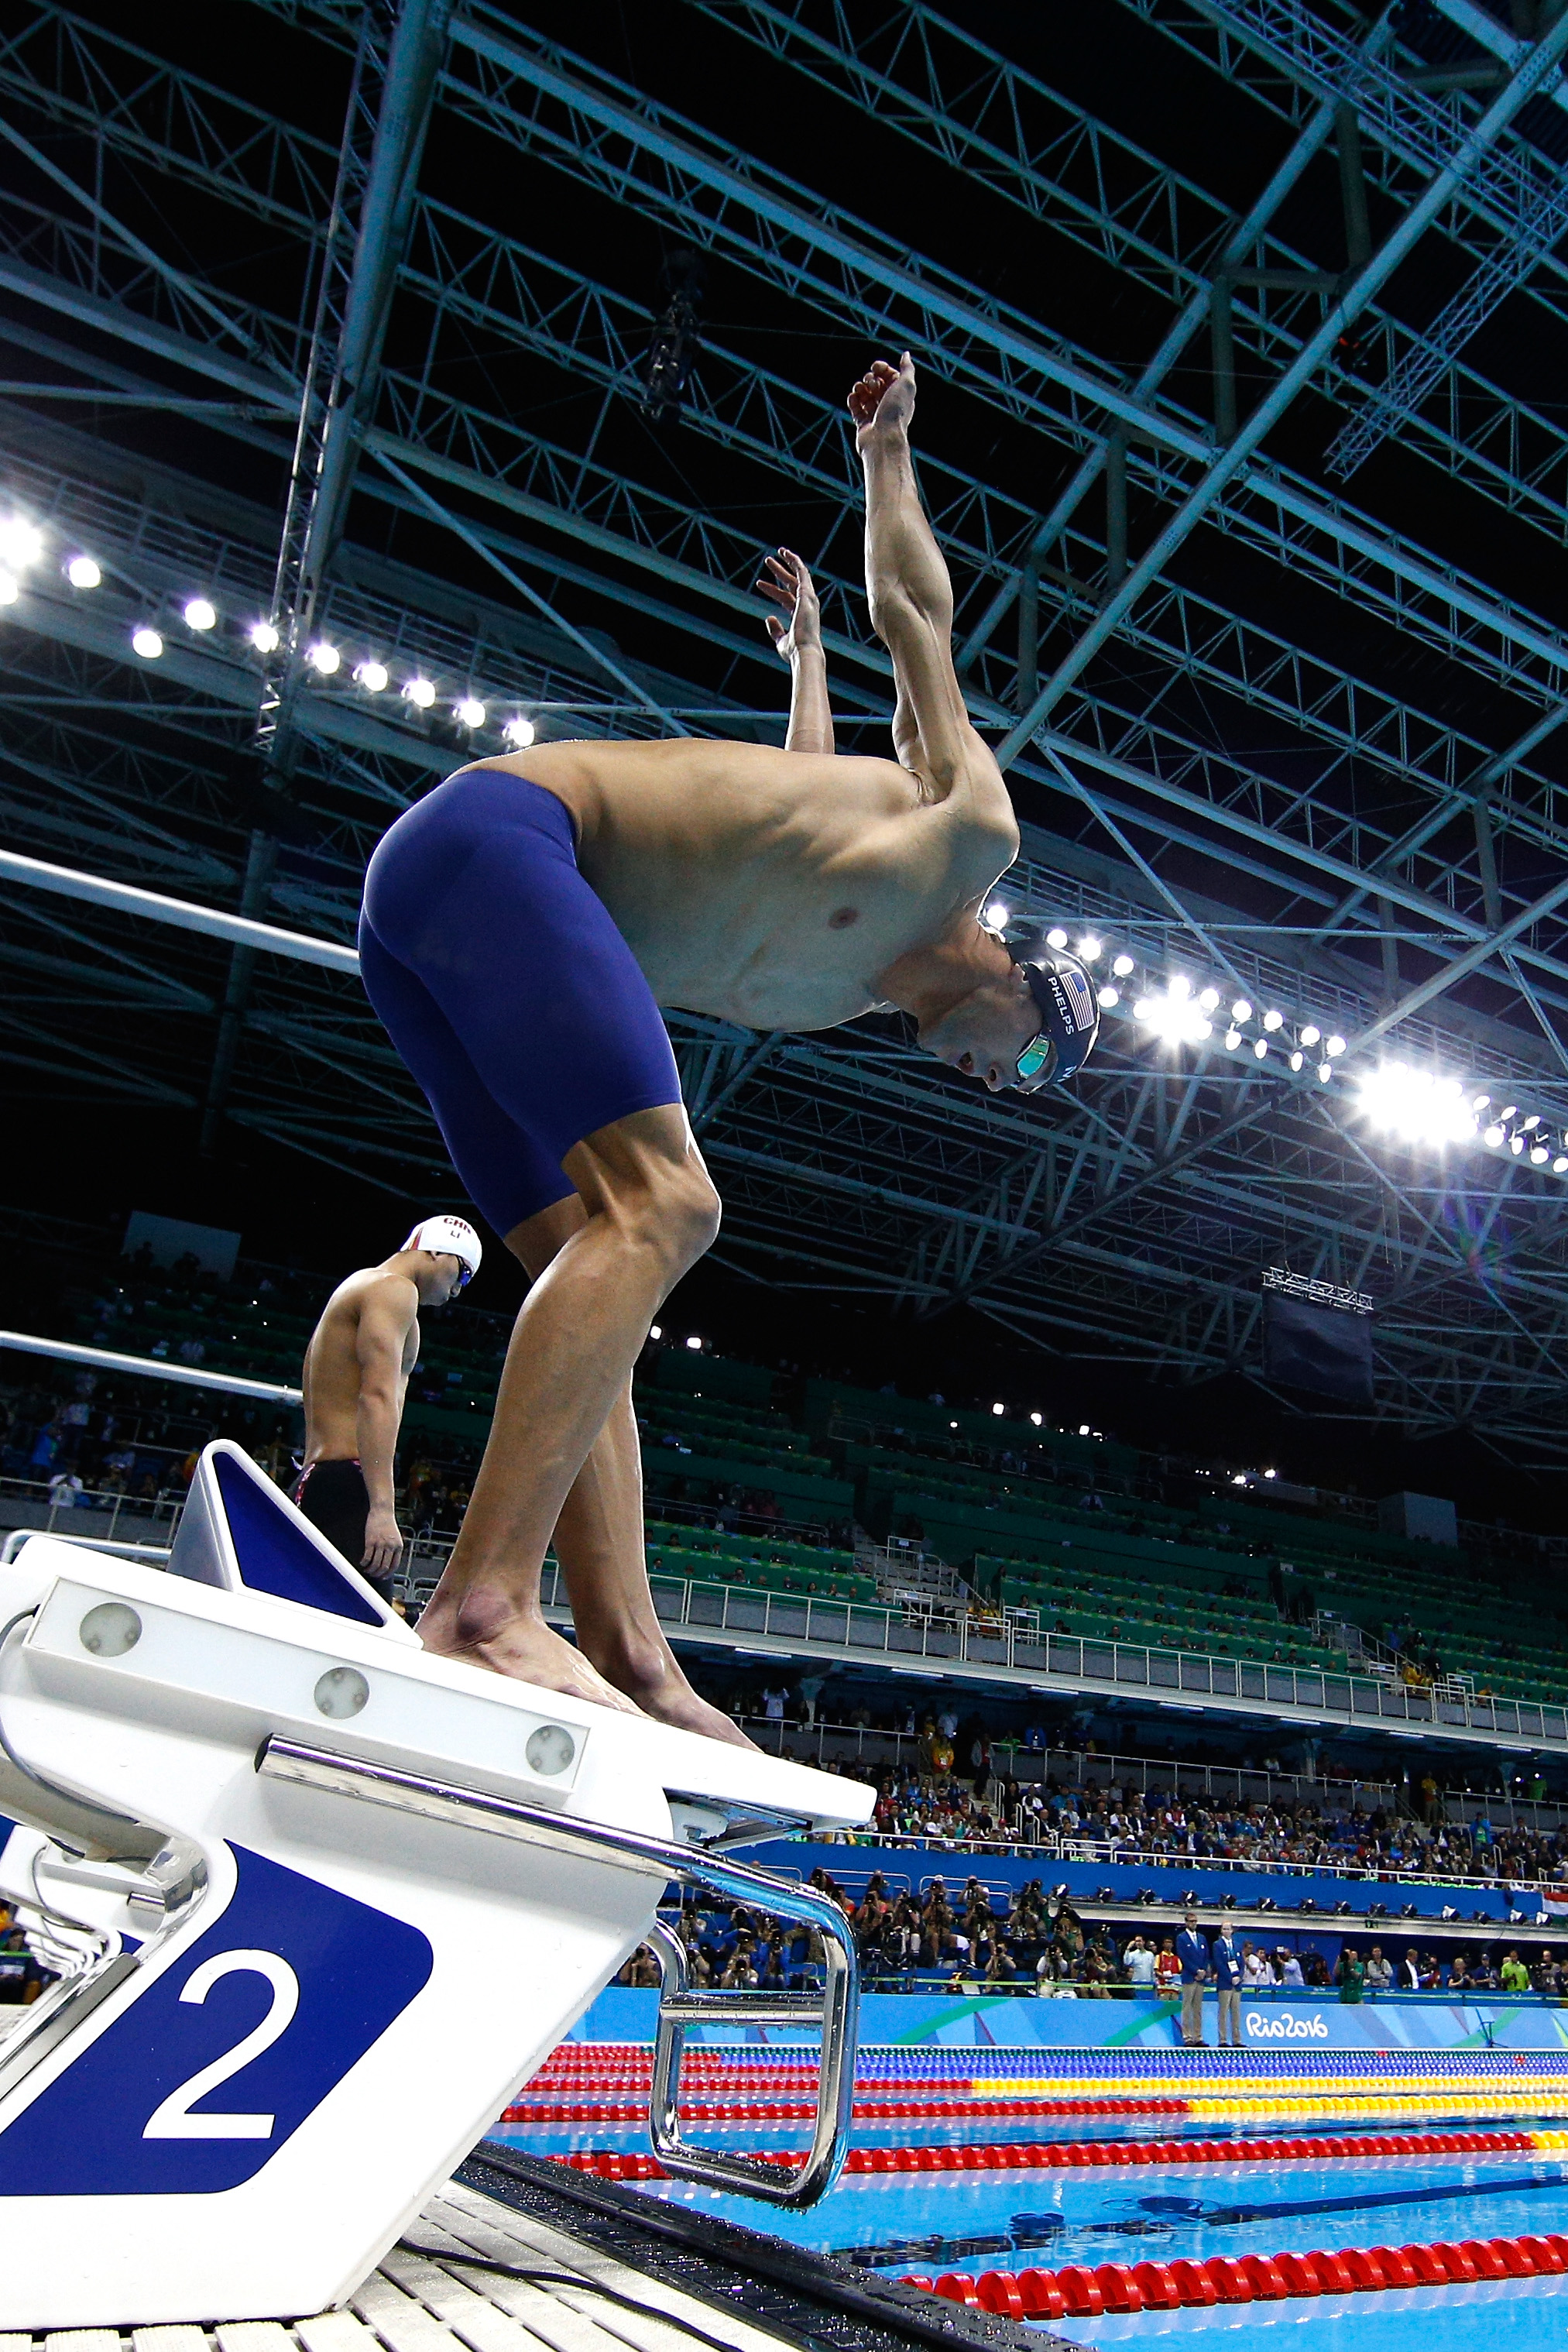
(1241, 1010)
(470, 712)
(1335, 1046)
(1560, 1165)
(1088, 947)
(1084, 1429)
(1417, 1106)
(201, 613)
(1532, 1122)
(264, 637)
(1480, 1102)
(372, 675)
(1056, 937)
(1493, 1138)
(147, 643)
(1178, 985)
(9, 589)
(693, 1341)
(1209, 999)
(1516, 1144)
(1232, 1041)
(519, 732)
(1039, 1418)
(997, 1408)
(1297, 1059)
(1110, 998)
(324, 659)
(83, 572)
(1261, 1048)
(1538, 1155)
(21, 543)
(420, 692)
(1121, 966)
(1325, 1072)
(1507, 1110)
(1310, 1033)
(995, 918)
(1270, 1473)
(1173, 1017)
(1272, 1021)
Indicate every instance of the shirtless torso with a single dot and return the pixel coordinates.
(772, 888)
(373, 1299)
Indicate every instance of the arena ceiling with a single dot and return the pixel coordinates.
(490, 346)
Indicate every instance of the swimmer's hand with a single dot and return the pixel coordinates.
(384, 1543)
(791, 587)
(882, 402)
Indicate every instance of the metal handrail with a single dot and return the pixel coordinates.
(657, 1859)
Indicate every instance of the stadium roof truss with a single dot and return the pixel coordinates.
(1265, 736)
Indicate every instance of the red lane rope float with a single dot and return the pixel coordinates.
(1078, 2292)
(1026, 2156)
(565, 2109)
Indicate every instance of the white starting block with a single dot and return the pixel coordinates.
(322, 1903)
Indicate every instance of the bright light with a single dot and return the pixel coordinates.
(1325, 1072)
(9, 591)
(1241, 1010)
(324, 659)
(1311, 1034)
(83, 572)
(1335, 1046)
(1532, 1122)
(265, 637)
(694, 1342)
(995, 917)
(422, 694)
(1261, 1048)
(1492, 1138)
(655, 1332)
(1560, 1163)
(1057, 938)
(1123, 966)
(1110, 998)
(469, 713)
(147, 643)
(21, 543)
(1480, 1102)
(1415, 1106)
(200, 614)
(1088, 947)
(373, 677)
(995, 1407)
(1270, 1473)
(1039, 1418)
(1209, 999)
(1173, 1017)
(1232, 1040)
(952, 1424)
(1239, 1478)
(1296, 1061)
(1539, 1155)
(1272, 1021)
(1516, 1144)
(519, 732)
(1507, 1110)
(1084, 1429)
(1179, 985)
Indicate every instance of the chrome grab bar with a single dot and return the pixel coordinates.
(837, 2013)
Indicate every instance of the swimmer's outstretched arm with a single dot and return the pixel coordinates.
(798, 641)
(908, 589)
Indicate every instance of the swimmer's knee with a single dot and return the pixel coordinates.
(686, 1212)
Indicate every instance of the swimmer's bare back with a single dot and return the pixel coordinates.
(770, 887)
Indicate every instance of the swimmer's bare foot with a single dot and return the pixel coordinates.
(650, 1676)
(517, 1645)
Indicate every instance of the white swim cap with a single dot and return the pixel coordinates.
(450, 1238)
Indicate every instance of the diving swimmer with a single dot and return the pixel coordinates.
(523, 924)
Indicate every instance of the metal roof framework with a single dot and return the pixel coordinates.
(1315, 760)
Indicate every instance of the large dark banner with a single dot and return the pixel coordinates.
(1318, 1348)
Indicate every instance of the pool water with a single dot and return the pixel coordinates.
(1046, 2217)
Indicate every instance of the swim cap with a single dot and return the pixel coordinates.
(1069, 1013)
(450, 1238)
